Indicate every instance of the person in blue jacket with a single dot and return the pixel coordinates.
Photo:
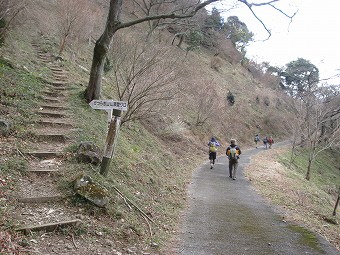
(213, 144)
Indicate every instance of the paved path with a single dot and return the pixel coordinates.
(227, 217)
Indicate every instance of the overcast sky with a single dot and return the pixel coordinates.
(313, 34)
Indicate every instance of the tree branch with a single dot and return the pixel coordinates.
(166, 16)
(270, 3)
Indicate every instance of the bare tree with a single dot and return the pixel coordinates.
(9, 11)
(74, 19)
(144, 76)
(319, 123)
(205, 101)
(114, 23)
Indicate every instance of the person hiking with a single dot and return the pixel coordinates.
(270, 141)
(265, 142)
(213, 144)
(233, 152)
(257, 139)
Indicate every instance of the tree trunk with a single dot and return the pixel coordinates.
(309, 169)
(336, 203)
(102, 47)
(93, 90)
(62, 45)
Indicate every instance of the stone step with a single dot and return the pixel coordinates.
(51, 99)
(49, 226)
(59, 88)
(52, 114)
(60, 75)
(53, 165)
(43, 56)
(46, 147)
(42, 171)
(54, 133)
(56, 69)
(44, 199)
(45, 154)
(51, 137)
(54, 93)
(61, 79)
(54, 123)
(58, 83)
(59, 72)
(54, 107)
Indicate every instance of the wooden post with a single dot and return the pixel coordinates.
(111, 141)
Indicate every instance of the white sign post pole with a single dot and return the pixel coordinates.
(112, 135)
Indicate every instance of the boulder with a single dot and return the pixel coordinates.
(4, 127)
(88, 153)
(87, 188)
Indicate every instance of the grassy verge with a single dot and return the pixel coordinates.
(143, 169)
(309, 203)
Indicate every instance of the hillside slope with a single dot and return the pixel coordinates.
(154, 158)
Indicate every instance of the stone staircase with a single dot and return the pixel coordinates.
(40, 203)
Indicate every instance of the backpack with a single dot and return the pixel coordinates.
(212, 147)
(233, 153)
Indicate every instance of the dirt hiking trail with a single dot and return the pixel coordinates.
(227, 217)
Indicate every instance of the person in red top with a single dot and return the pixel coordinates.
(270, 142)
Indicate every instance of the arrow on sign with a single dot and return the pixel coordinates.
(108, 104)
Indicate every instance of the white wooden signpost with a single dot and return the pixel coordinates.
(108, 106)
(112, 135)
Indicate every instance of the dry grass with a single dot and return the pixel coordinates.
(300, 199)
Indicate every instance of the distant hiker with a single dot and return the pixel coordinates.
(303, 140)
(213, 144)
(270, 142)
(265, 142)
(257, 139)
(233, 152)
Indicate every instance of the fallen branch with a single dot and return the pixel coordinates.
(147, 222)
(21, 154)
(73, 241)
(140, 210)
(127, 204)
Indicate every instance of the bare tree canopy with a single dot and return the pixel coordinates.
(179, 10)
(144, 76)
